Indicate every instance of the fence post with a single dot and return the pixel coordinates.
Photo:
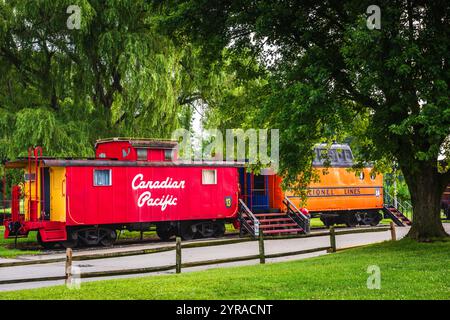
(178, 257)
(332, 239)
(262, 255)
(68, 266)
(393, 232)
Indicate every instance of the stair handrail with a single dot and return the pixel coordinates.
(243, 209)
(303, 221)
(405, 206)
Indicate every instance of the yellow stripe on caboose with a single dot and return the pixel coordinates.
(26, 189)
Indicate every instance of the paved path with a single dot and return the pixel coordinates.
(189, 255)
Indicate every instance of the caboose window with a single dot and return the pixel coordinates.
(167, 154)
(259, 185)
(348, 155)
(142, 154)
(102, 178)
(209, 176)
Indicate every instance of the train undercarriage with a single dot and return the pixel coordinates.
(106, 235)
(351, 218)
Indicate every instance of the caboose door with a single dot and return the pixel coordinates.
(45, 193)
(254, 190)
(257, 198)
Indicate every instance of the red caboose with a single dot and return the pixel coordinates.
(132, 184)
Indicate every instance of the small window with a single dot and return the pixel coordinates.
(317, 155)
(142, 154)
(209, 176)
(332, 154)
(102, 178)
(259, 185)
(348, 155)
(168, 154)
(373, 175)
(361, 175)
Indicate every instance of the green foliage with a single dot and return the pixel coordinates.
(330, 77)
(7, 249)
(117, 75)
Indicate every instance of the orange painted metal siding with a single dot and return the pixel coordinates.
(340, 190)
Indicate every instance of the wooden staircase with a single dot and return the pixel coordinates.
(277, 223)
(396, 215)
(274, 223)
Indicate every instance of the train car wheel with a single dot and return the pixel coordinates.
(219, 229)
(107, 237)
(372, 219)
(72, 240)
(376, 218)
(351, 221)
(328, 222)
(186, 231)
(205, 229)
(164, 231)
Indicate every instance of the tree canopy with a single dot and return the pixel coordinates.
(331, 74)
(63, 87)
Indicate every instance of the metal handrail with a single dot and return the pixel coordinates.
(405, 206)
(305, 223)
(254, 230)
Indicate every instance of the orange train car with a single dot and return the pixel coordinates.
(341, 196)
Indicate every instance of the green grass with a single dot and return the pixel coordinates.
(7, 249)
(409, 270)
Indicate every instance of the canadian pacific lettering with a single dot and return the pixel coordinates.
(162, 201)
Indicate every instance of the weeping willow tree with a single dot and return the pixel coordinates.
(64, 85)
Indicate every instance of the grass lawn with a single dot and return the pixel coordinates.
(7, 249)
(408, 271)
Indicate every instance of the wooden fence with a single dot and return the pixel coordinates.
(179, 265)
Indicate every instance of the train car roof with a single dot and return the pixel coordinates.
(92, 162)
(142, 142)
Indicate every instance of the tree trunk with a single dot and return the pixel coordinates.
(426, 188)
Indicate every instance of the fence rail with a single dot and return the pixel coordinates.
(179, 264)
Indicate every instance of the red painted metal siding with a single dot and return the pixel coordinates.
(89, 204)
(121, 150)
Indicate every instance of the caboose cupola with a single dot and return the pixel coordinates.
(132, 149)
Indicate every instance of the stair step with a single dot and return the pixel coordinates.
(283, 230)
(277, 225)
(274, 220)
(279, 214)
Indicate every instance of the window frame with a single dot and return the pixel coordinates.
(215, 177)
(170, 152)
(99, 185)
(141, 150)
